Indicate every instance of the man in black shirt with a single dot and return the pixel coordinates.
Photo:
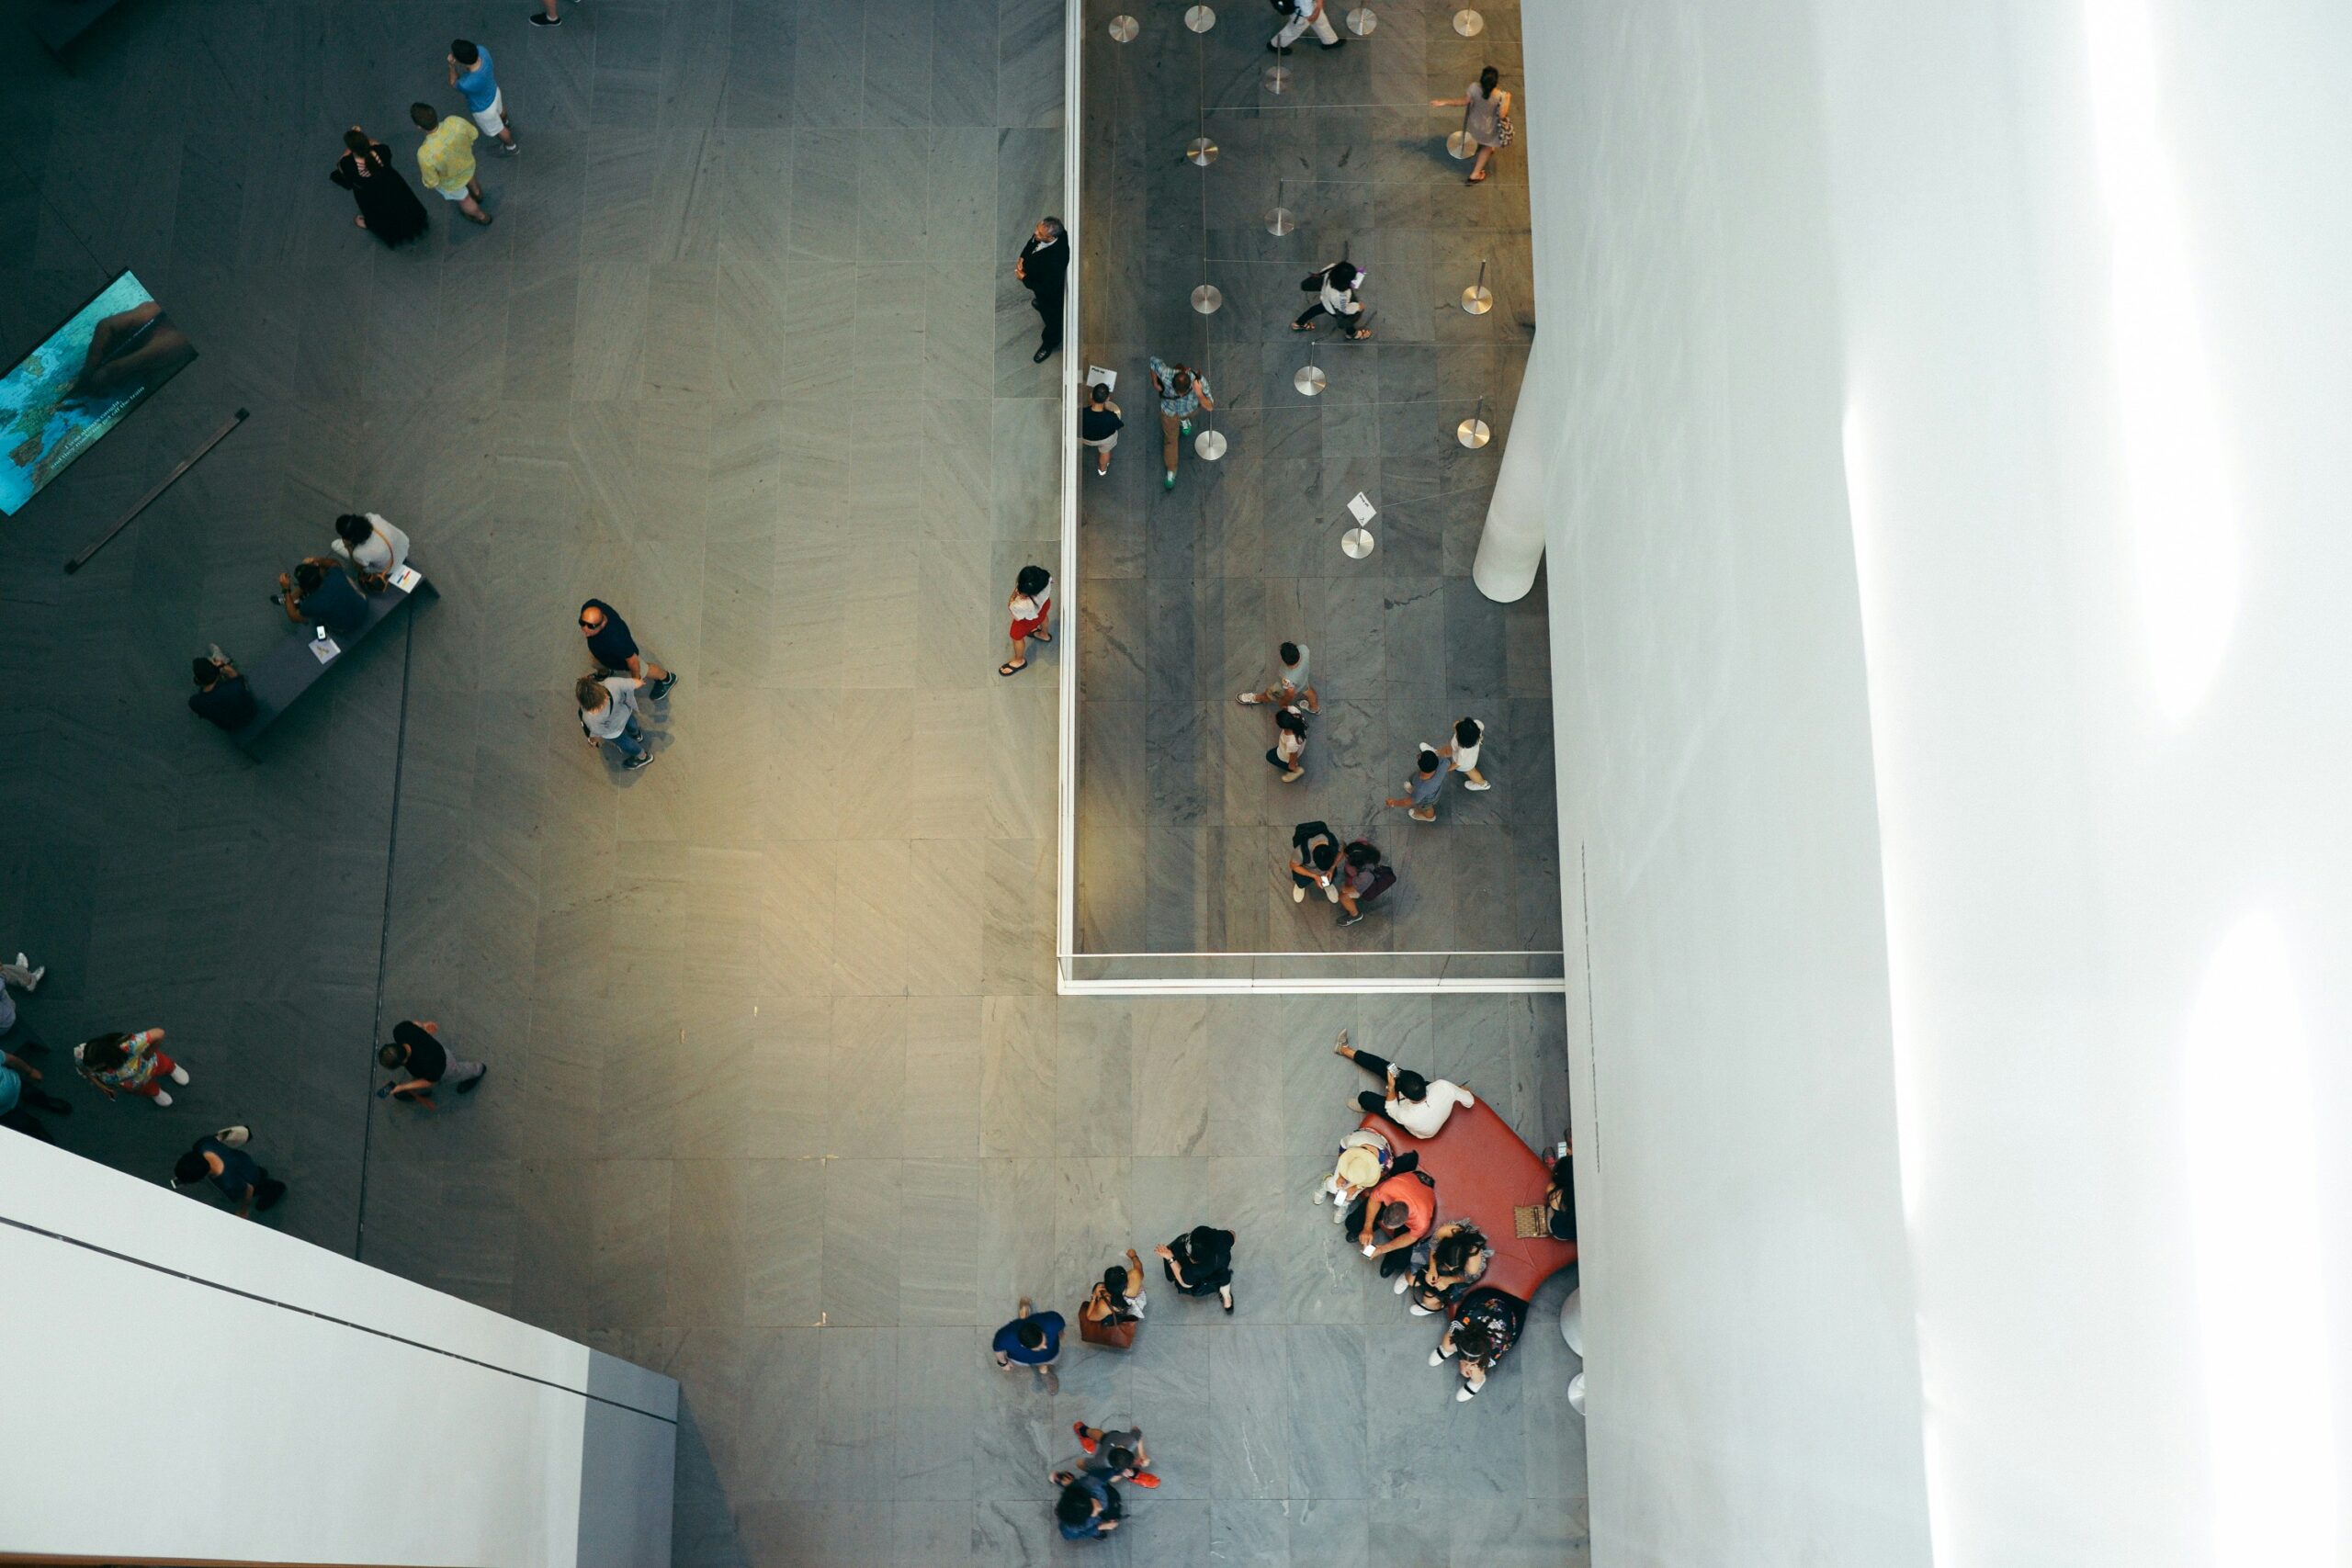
(221, 695)
(416, 1051)
(1043, 268)
(615, 652)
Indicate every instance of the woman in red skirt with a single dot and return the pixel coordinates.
(1031, 601)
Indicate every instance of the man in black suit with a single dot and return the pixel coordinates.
(1042, 269)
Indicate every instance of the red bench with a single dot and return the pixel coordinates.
(1483, 1171)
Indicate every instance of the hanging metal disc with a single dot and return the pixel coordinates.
(1477, 299)
(1310, 380)
(1200, 149)
(1466, 22)
(1200, 18)
(1123, 28)
(1360, 21)
(1474, 432)
(1460, 144)
(1210, 444)
(1356, 543)
(1206, 299)
(1277, 79)
(1280, 221)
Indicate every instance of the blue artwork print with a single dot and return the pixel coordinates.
(78, 385)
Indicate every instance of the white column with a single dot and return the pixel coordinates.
(1511, 546)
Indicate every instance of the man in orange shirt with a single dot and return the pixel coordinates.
(1396, 1213)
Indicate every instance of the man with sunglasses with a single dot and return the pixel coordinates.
(616, 653)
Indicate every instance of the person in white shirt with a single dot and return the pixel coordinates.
(371, 545)
(1419, 1105)
(1469, 736)
(608, 712)
(1335, 288)
(1305, 14)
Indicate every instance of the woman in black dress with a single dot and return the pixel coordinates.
(388, 208)
(1200, 1263)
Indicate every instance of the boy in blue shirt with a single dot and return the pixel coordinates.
(471, 74)
(1033, 1339)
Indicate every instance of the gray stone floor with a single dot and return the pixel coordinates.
(781, 1101)
(1183, 828)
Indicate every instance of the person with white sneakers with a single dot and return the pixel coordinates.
(1485, 1324)
(1313, 861)
(1291, 684)
(116, 1063)
(1469, 736)
(1304, 15)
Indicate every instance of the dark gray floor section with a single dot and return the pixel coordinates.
(1184, 828)
(781, 1101)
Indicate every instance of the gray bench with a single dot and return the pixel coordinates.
(280, 678)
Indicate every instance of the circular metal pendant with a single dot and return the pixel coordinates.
(1460, 144)
(1280, 221)
(1200, 18)
(1200, 149)
(1123, 28)
(1206, 299)
(1474, 432)
(1310, 380)
(1356, 543)
(1210, 444)
(1466, 22)
(1360, 21)
(1477, 299)
(1277, 79)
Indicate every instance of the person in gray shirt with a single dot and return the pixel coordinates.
(608, 712)
(1419, 799)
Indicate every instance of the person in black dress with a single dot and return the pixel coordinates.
(1043, 268)
(1200, 1263)
(388, 208)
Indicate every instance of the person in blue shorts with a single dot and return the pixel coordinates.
(1031, 1340)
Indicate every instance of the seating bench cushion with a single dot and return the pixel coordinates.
(1483, 1171)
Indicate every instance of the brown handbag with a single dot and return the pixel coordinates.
(1114, 1333)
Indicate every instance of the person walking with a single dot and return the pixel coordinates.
(1183, 393)
(25, 977)
(1088, 1508)
(1200, 1262)
(221, 1158)
(1032, 602)
(1099, 425)
(1418, 1104)
(1362, 879)
(416, 1052)
(317, 593)
(1287, 756)
(547, 17)
(608, 712)
(1335, 296)
(1114, 1307)
(1043, 268)
(1033, 1339)
(1291, 684)
(1313, 860)
(472, 72)
(446, 159)
(221, 695)
(129, 1064)
(1469, 735)
(1419, 799)
(20, 1090)
(1304, 15)
(1486, 118)
(388, 208)
(374, 547)
(615, 652)
(1116, 1453)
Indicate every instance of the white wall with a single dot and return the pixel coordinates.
(1972, 1200)
(188, 1384)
